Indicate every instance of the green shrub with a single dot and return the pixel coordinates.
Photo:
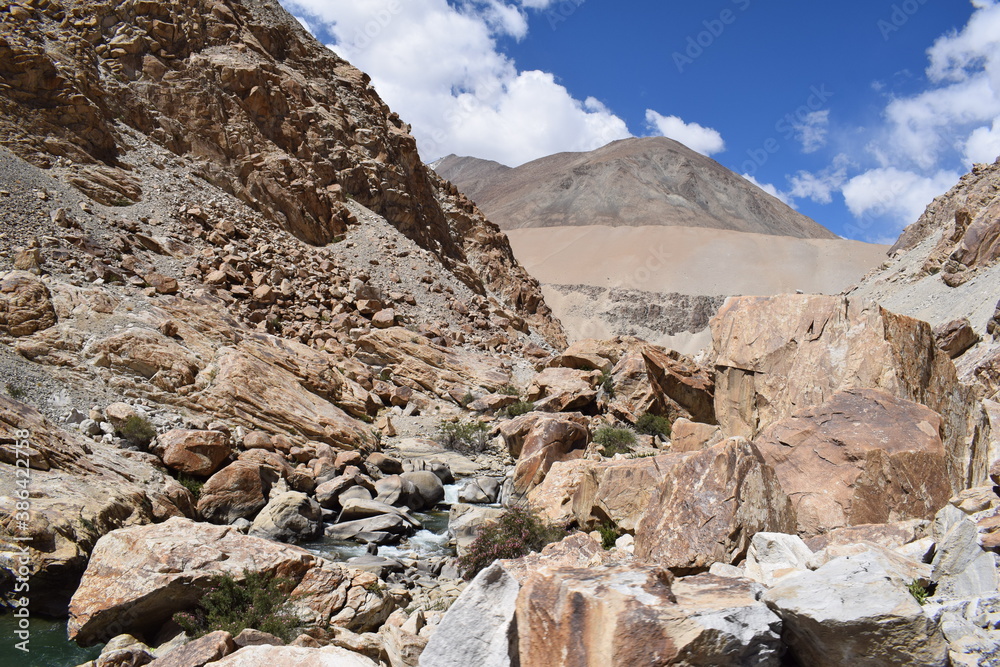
(192, 484)
(518, 409)
(517, 532)
(15, 392)
(650, 424)
(465, 437)
(615, 439)
(509, 390)
(608, 384)
(137, 430)
(920, 592)
(468, 398)
(609, 534)
(260, 602)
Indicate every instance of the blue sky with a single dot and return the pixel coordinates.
(856, 113)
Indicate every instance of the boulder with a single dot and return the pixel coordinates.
(542, 439)
(647, 378)
(300, 656)
(862, 457)
(773, 556)
(962, 568)
(479, 628)
(328, 494)
(464, 522)
(637, 619)
(197, 453)
(888, 535)
(956, 337)
(289, 517)
(589, 493)
(359, 508)
(481, 490)
(777, 355)
(563, 389)
(429, 488)
(386, 464)
(689, 436)
(394, 524)
(240, 490)
(587, 355)
(439, 468)
(139, 577)
(25, 304)
(161, 360)
(857, 610)
(198, 652)
(252, 637)
(394, 490)
(708, 506)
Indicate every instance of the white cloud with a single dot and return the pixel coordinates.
(983, 144)
(820, 186)
(704, 140)
(770, 189)
(899, 195)
(437, 64)
(811, 131)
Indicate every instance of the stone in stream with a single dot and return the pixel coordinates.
(481, 490)
(394, 524)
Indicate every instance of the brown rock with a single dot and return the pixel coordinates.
(193, 452)
(562, 389)
(956, 337)
(29, 260)
(995, 472)
(888, 535)
(345, 459)
(540, 440)
(389, 466)
(706, 508)
(776, 355)
(199, 652)
(162, 284)
(119, 413)
(384, 319)
(257, 440)
(240, 490)
(25, 305)
(861, 457)
(163, 361)
(251, 637)
(689, 436)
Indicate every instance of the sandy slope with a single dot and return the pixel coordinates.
(692, 261)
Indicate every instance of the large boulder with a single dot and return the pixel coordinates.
(430, 490)
(464, 522)
(857, 610)
(25, 304)
(300, 656)
(164, 362)
(541, 439)
(708, 506)
(563, 389)
(962, 567)
(589, 493)
(635, 618)
(289, 517)
(139, 577)
(777, 355)
(238, 491)
(193, 452)
(862, 457)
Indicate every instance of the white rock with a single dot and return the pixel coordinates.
(773, 556)
(961, 568)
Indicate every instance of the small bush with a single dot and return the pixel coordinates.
(609, 534)
(608, 384)
(516, 533)
(615, 439)
(518, 409)
(509, 390)
(15, 392)
(137, 430)
(465, 437)
(192, 484)
(468, 398)
(259, 602)
(376, 588)
(650, 424)
(920, 592)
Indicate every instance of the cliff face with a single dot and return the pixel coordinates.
(262, 110)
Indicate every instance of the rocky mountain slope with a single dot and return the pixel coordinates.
(645, 237)
(636, 182)
(245, 334)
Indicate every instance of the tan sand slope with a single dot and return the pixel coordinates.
(664, 283)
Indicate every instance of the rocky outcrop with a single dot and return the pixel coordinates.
(138, 578)
(271, 116)
(79, 490)
(779, 354)
(193, 452)
(539, 440)
(861, 457)
(707, 507)
(239, 490)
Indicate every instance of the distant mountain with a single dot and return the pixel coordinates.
(639, 182)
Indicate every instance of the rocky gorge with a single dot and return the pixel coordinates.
(246, 335)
